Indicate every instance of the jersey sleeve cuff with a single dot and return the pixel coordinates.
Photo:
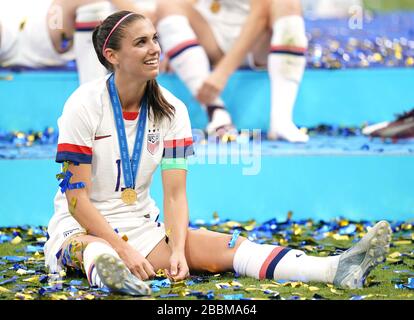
(174, 163)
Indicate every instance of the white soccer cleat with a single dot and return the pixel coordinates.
(288, 132)
(356, 263)
(115, 275)
(220, 120)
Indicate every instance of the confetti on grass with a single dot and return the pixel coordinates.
(24, 277)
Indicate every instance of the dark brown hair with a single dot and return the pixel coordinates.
(156, 102)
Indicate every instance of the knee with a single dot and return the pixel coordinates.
(214, 268)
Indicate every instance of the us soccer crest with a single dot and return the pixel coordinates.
(153, 141)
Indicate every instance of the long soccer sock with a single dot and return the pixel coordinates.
(87, 18)
(286, 65)
(91, 252)
(7, 38)
(280, 263)
(189, 61)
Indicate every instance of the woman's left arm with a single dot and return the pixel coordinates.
(176, 220)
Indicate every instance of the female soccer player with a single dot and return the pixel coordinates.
(229, 34)
(113, 134)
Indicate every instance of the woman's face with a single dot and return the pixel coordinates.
(139, 55)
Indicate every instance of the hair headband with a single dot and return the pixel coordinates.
(113, 29)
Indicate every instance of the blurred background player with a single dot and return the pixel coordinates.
(48, 33)
(229, 34)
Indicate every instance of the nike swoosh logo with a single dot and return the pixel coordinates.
(299, 255)
(102, 137)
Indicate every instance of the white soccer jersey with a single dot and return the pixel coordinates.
(228, 11)
(225, 17)
(25, 37)
(87, 134)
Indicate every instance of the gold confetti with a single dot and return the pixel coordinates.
(32, 279)
(402, 242)
(340, 237)
(55, 296)
(72, 206)
(236, 284)
(335, 291)
(89, 296)
(293, 284)
(23, 296)
(124, 237)
(168, 232)
(161, 273)
(16, 240)
(343, 223)
(178, 284)
(21, 272)
(270, 285)
(394, 255)
(311, 288)
(3, 289)
(297, 230)
(233, 224)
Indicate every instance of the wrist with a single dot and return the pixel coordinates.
(120, 246)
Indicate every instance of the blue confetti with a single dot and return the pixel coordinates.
(65, 183)
(170, 295)
(232, 296)
(348, 230)
(75, 282)
(12, 279)
(15, 258)
(33, 249)
(234, 237)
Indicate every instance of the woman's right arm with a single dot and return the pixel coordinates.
(95, 224)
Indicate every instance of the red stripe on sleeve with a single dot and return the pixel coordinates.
(67, 147)
(181, 46)
(87, 25)
(289, 48)
(178, 143)
(269, 259)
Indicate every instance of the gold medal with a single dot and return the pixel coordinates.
(215, 6)
(129, 196)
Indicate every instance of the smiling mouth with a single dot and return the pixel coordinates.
(151, 62)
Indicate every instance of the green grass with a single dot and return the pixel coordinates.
(389, 5)
(380, 284)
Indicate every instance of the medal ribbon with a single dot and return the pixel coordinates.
(129, 165)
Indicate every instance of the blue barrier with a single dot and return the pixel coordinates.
(344, 97)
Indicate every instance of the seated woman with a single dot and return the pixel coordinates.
(114, 133)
